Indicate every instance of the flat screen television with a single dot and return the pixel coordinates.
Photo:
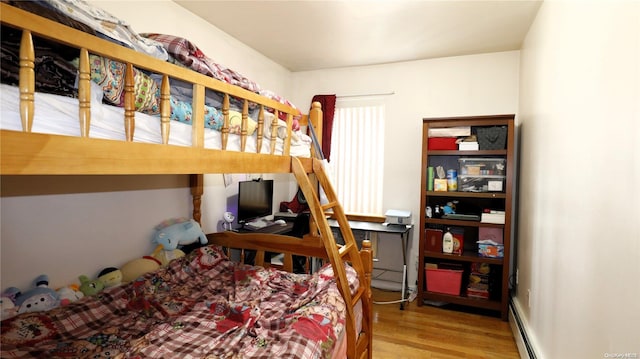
(255, 200)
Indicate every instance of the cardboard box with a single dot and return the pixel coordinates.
(468, 146)
(458, 240)
(440, 184)
(491, 250)
(442, 143)
(477, 293)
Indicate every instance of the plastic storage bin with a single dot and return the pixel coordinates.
(472, 166)
(446, 281)
(481, 174)
(481, 183)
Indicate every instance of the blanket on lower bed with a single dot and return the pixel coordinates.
(199, 306)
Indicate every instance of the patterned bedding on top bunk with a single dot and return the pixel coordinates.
(56, 66)
(201, 305)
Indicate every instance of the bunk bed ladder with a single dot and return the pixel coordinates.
(339, 254)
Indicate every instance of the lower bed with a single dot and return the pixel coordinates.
(58, 115)
(200, 306)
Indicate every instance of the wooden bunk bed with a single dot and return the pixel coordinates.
(26, 152)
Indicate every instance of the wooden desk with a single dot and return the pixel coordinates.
(285, 229)
(400, 229)
(271, 229)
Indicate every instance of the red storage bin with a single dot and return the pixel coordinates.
(443, 143)
(446, 281)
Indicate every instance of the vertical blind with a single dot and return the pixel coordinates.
(357, 147)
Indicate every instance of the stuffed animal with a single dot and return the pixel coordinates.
(69, 294)
(90, 287)
(138, 267)
(110, 277)
(7, 306)
(178, 231)
(166, 256)
(38, 299)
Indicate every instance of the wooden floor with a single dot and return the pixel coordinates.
(431, 332)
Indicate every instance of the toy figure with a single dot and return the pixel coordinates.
(38, 299)
(138, 267)
(110, 277)
(69, 294)
(7, 306)
(90, 287)
(178, 231)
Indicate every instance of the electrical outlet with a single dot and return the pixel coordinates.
(517, 276)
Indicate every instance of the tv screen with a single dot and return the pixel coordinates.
(255, 200)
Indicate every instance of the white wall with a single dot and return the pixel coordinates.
(579, 232)
(167, 17)
(67, 235)
(73, 233)
(456, 86)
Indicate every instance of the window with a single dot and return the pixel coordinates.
(357, 154)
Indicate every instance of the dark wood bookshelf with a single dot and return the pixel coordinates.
(472, 203)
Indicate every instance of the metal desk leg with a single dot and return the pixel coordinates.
(404, 242)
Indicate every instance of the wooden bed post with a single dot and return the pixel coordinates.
(27, 80)
(197, 131)
(129, 103)
(260, 129)
(315, 119)
(243, 125)
(165, 109)
(84, 92)
(225, 124)
(197, 188)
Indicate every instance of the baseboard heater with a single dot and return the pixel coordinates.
(522, 339)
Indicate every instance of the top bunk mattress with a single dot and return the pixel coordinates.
(58, 115)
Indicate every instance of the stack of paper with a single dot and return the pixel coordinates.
(495, 217)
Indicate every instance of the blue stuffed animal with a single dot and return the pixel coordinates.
(180, 231)
(38, 299)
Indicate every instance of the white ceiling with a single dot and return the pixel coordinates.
(308, 35)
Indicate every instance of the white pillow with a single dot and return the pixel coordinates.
(281, 129)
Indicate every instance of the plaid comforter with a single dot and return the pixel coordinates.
(199, 306)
